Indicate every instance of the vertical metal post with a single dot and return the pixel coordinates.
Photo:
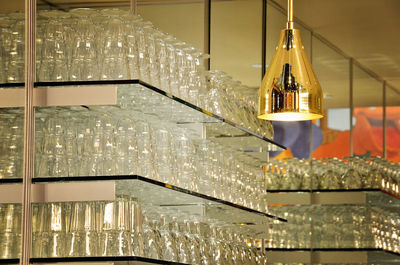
(134, 6)
(263, 38)
(207, 31)
(30, 69)
(384, 120)
(311, 122)
(289, 24)
(351, 104)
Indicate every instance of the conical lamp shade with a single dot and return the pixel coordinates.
(290, 91)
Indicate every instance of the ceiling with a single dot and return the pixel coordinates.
(366, 30)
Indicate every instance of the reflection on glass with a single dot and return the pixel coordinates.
(236, 27)
(333, 73)
(368, 114)
(393, 133)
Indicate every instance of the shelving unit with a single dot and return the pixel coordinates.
(202, 124)
(170, 196)
(350, 213)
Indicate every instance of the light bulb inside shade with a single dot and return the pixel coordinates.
(290, 116)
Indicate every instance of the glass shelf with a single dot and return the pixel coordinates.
(9, 261)
(315, 191)
(139, 260)
(250, 221)
(373, 197)
(178, 111)
(335, 249)
(366, 222)
(160, 104)
(11, 85)
(10, 180)
(332, 256)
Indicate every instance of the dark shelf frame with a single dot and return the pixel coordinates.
(336, 190)
(153, 182)
(102, 259)
(10, 180)
(334, 250)
(155, 89)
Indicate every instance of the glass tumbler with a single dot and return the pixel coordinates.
(115, 231)
(10, 231)
(82, 237)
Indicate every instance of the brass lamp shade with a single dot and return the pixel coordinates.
(290, 91)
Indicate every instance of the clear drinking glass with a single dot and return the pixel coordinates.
(85, 50)
(53, 57)
(114, 47)
(82, 238)
(10, 231)
(15, 53)
(162, 155)
(126, 147)
(115, 234)
(144, 140)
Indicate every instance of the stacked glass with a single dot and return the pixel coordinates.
(295, 233)
(336, 226)
(112, 44)
(196, 240)
(78, 142)
(10, 231)
(334, 173)
(82, 229)
(118, 228)
(12, 47)
(11, 143)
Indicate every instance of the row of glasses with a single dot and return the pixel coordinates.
(118, 228)
(83, 229)
(236, 102)
(296, 233)
(333, 173)
(385, 226)
(213, 180)
(111, 44)
(335, 226)
(80, 142)
(384, 174)
(195, 240)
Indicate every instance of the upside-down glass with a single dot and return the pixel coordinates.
(10, 231)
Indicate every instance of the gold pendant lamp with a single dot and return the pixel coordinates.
(290, 91)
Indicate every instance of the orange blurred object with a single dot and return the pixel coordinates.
(367, 135)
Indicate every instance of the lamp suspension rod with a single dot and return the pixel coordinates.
(133, 6)
(289, 24)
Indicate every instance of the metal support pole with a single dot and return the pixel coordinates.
(134, 6)
(310, 122)
(30, 69)
(289, 24)
(384, 120)
(351, 105)
(263, 38)
(207, 31)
